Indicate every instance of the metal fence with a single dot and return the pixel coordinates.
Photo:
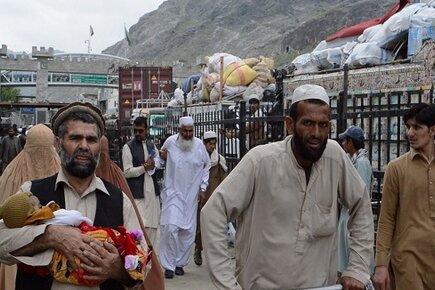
(379, 114)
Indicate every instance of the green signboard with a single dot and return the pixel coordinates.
(88, 79)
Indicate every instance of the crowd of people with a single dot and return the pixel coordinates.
(301, 206)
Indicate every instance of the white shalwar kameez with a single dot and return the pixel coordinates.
(186, 174)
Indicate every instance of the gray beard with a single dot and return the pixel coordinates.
(185, 145)
(75, 169)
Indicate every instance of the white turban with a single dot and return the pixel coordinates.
(306, 92)
(186, 121)
(209, 135)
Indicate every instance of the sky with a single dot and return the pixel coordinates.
(65, 24)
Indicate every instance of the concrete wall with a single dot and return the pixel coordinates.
(44, 62)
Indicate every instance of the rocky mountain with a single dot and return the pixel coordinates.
(184, 31)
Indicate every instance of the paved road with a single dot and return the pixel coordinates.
(195, 278)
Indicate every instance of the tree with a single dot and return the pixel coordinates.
(8, 94)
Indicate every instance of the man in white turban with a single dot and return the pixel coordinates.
(186, 180)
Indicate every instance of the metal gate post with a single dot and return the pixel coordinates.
(242, 129)
(342, 108)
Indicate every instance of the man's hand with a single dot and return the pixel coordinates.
(149, 164)
(163, 153)
(67, 240)
(201, 198)
(105, 264)
(381, 279)
(70, 242)
(350, 283)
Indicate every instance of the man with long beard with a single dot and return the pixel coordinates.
(186, 180)
(284, 198)
(78, 128)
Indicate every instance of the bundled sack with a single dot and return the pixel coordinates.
(253, 89)
(205, 93)
(212, 78)
(228, 91)
(339, 42)
(239, 74)
(215, 93)
(214, 61)
(178, 98)
(369, 32)
(328, 58)
(252, 61)
(263, 74)
(422, 28)
(187, 83)
(269, 61)
(396, 27)
(305, 63)
(233, 90)
(346, 50)
(204, 87)
(368, 54)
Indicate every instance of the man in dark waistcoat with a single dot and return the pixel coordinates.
(78, 128)
(140, 159)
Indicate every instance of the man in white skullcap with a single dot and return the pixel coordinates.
(255, 130)
(218, 171)
(186, 180)
(284, 197)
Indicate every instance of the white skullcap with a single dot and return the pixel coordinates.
(186, 121)
(306, 92)
(253, 97)
(209, 135)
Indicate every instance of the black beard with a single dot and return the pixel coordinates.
(306, 152)
(76, 169)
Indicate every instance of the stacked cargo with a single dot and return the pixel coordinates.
(400, 36)
(240, 77)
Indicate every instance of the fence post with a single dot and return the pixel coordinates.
(242, 129)
(342, 108)
(185, 105)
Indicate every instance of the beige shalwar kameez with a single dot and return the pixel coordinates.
(286, 228)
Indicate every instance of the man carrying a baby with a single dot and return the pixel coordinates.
(78, 128)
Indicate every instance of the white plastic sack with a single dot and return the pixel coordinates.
(253, 89)
(214, 64)
(368, 54)
(346, 50)
(396, 27)
(328, 58)
(304, 63)
(179, 95)
(232, 90)
(369, 32)
(334, 43)
(424, 17)
(173, 103)
(422, 28)
(215, 92)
